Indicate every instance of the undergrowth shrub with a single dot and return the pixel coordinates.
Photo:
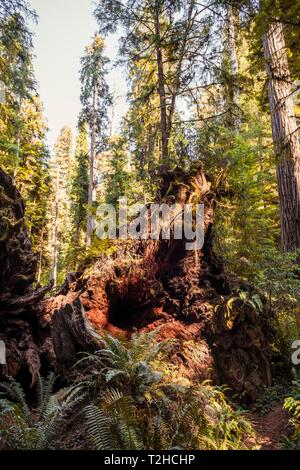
(292, 405)
(136, 405)
(24, 428)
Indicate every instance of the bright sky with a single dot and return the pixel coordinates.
(65, 27)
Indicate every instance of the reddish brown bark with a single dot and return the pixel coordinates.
(161, 86)
(155, 283)
(285, 135)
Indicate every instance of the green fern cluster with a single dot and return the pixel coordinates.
(189, 419)
(126, 366)
(135, 407)
(132, 404)
(292, 405)
(23, 428)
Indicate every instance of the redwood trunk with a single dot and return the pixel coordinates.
(233, 89)
(285, 135)
(55, 236)
(161, 87)
(90, 219)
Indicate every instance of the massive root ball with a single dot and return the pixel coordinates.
(158, 283)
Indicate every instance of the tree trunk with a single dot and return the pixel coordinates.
(16, 169)
(182, 52)
(76, 233)
(161, 87)
(90, 219)
(40, 261)
(285, 135)
(232, 40)
(55, 236)
(233, 89)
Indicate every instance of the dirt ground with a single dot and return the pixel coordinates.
(270, 427)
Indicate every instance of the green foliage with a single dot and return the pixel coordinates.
(138, 407)
(292, 405)
(22, 428)
(23, 150)
(86, 257)
(80, 187)
(138, 400)
(277, 278)
(289, 13)
(32, 175)
(198, 419)
(125, 366)
(234, 306)
(247, 214)
(114, 425)
(62, 164)
(95, 96)
(269, 397)
(120, 176)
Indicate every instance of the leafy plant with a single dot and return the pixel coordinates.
(270, 395)
(124, 365)
(292, 405)
(193, 418)
(23, 428)
(114, 425)
(135, 407)
(234, 306)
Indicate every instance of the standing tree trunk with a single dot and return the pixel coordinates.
(40, 261)
(189, 24)
(285, 135)
(55, 237)
(16, 168)
(17, 156)
(233, 89)
(90, 223)
(232, 41)
(161, 87)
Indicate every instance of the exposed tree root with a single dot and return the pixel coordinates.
(154, 283)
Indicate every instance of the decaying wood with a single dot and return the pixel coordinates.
(151, 283)
(73, 334)
(25, 300)
(144, 285)
(27, 341)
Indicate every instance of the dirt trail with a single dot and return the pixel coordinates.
(270, 427)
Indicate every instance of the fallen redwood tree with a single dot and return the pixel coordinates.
(147, 284)
(26, 338)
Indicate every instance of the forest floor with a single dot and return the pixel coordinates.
(270, 427)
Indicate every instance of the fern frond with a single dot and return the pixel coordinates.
(45, 391)
(99, 428)
(16, 393)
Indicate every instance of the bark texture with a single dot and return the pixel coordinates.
(158, 283)
(285, 135)
(161, 85)
(90, 220)
(27, 341)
